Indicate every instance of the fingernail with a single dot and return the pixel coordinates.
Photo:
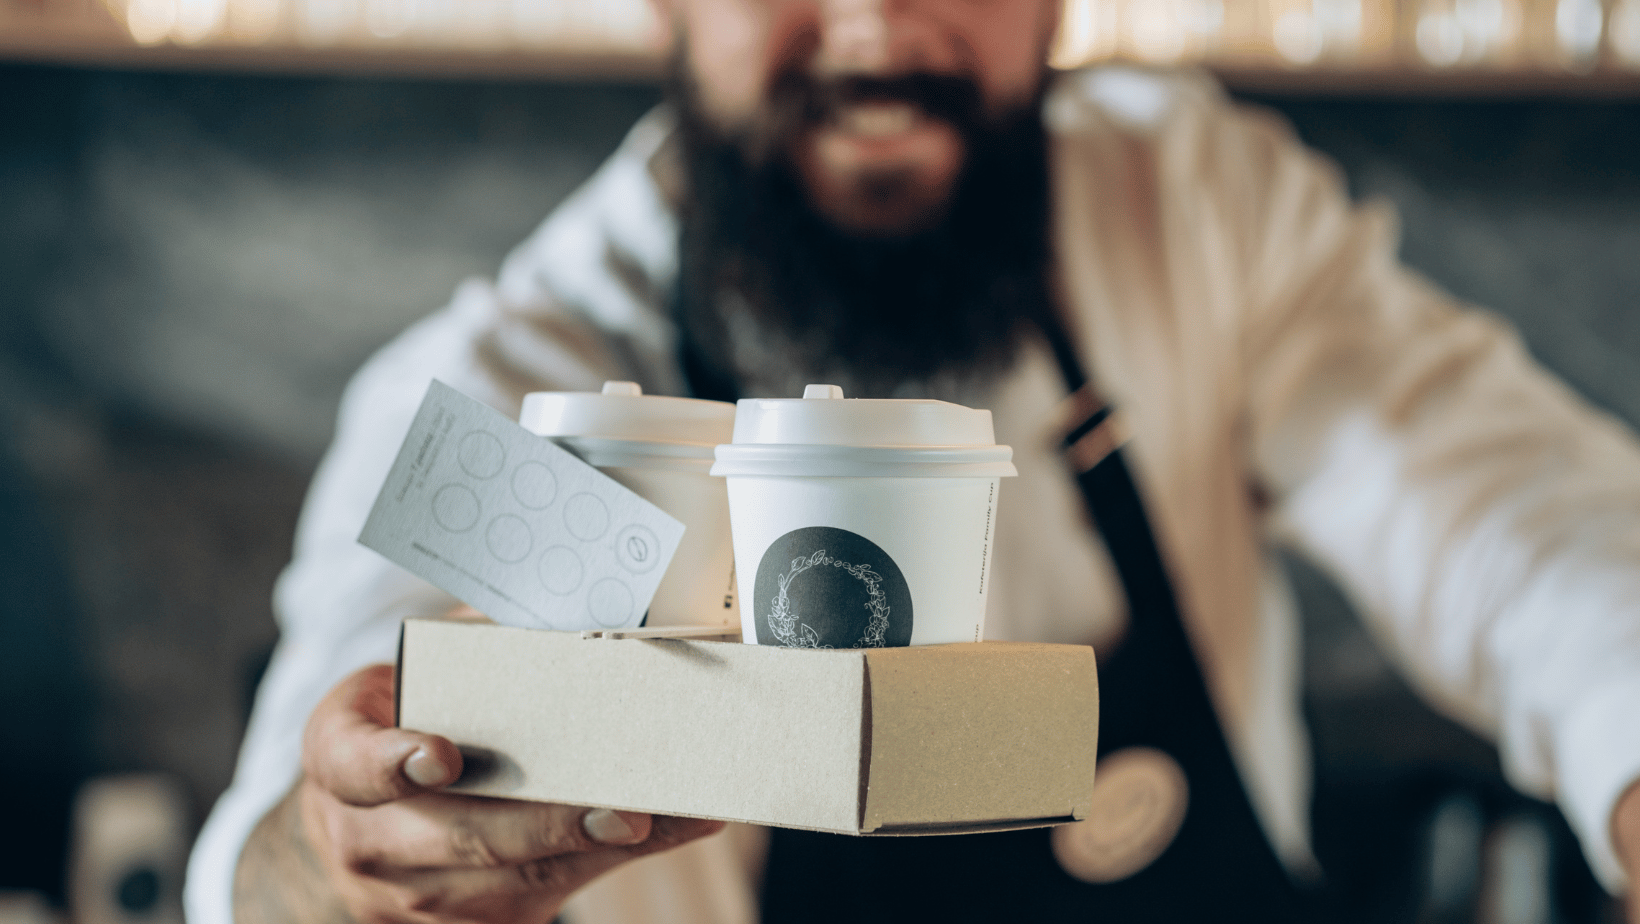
(424, 769)
(606, 827)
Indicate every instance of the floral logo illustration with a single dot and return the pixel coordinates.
(783, 620)
(822, 587)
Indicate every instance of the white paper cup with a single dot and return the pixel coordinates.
(661, 449)
(862, 523)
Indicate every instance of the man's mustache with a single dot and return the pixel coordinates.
(799, 102)
(953, 98)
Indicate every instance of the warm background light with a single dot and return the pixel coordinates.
(1365, 41)
(1573, 35)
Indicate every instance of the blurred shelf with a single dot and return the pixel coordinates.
(568, 62)
(84, 33)
(609, 39)
(1608, 83)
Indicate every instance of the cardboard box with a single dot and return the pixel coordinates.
(928, 740)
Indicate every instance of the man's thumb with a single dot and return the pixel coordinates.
(351, 753)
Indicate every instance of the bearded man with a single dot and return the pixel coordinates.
(896, 196)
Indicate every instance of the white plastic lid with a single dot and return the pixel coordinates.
(623, 412)
(824, 434)
(824, 417)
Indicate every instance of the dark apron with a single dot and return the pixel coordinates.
(1219, 866)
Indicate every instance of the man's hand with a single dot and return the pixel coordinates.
(1626, 840)
(365, 837)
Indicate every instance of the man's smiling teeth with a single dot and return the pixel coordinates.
(877, 119)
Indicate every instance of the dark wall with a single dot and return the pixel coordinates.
(191, 266)
(224, 250)
(1531, 209)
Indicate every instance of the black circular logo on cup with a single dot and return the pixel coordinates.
(820, 587)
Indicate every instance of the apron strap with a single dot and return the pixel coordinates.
(1153, 694)
(1155, 718)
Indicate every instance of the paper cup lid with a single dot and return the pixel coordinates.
(824, 434)
(824, 417)
(623, 412)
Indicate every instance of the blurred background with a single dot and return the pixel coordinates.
(211, 211)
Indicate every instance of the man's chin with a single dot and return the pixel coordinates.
(881, 186)
(882, 213)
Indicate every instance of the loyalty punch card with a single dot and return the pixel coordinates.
(516, 527)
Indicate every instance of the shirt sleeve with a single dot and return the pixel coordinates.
(1485, 520)
(339, 604)
(577, 303)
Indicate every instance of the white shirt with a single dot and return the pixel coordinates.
(1284, 379)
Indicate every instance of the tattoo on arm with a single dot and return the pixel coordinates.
(280, 879)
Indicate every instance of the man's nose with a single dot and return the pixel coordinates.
(856, 36)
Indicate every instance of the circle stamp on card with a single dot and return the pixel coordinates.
(637, 549)
(561, 570)
(1140, 796)
(534, 485)
(610, 603)
(481, 454)
(456, 508)
(822, 587)
(586, 517)
(508, 538)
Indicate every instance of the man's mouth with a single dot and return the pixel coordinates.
(880, 157)
(878, 118)
(884, 135)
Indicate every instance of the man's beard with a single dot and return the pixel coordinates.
(953, 298)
